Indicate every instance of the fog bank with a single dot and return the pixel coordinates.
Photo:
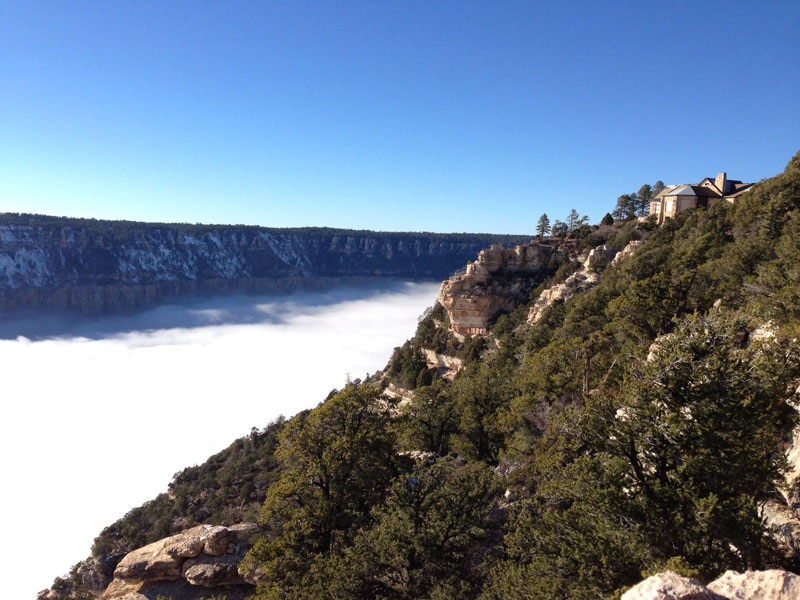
(99, 414)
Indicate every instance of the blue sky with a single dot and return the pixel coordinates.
(441, 116)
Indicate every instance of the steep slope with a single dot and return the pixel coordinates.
(640, 422)
(97, 267)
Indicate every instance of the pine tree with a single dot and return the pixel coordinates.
(572, 220)
(643, 197)
(559, 229)
(543, 226)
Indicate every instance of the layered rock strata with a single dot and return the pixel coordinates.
(101, 267)
(498, 281)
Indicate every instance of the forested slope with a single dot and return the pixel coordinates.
(638, 425)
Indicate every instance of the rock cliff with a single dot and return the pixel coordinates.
(498, 281)
(96, 267)
(581, 280)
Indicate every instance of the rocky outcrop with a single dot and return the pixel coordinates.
(581, 280)
(599, 257)
(498, 281)
(782, 525)
(447, 366)
(195, 563)
(774, 584)
(627, 251)
(95, 267)
(94, 574)
(669, 586)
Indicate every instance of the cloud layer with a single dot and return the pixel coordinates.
(99, 414)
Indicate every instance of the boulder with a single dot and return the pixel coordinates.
(774, 584)
(669, 586)
(183, 566)
(163, 559)
(212, 571)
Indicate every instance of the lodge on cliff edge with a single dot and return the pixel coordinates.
(676, 198)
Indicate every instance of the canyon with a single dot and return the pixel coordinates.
(94, 267)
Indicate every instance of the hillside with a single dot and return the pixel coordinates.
(101, 267)
(571, 417)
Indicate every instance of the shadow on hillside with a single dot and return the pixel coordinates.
(187, 313)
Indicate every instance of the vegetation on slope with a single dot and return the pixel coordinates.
(226, 489)
(614, 464)
(631, 428)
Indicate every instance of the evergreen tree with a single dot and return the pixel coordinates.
(643, 197)
(430, 419)
(560, 229)
(480, 397)
(337, 461)
(573, 219)
(429, 536)
(625, 208)
(543, 226)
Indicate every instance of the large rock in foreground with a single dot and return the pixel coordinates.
(669, 586)
(774, 584)
(199, 562)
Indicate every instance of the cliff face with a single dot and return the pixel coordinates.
(105, 266)
(496, 282)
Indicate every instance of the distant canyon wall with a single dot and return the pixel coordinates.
(102, 267)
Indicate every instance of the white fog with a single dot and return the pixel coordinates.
(99, 414)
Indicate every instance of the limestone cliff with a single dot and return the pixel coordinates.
(95, 267)
(498, 281)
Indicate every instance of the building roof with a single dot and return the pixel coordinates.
(739, 190)
(665, 192)
(682, 190)
(701, 190)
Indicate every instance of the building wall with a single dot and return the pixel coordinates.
(670, 206)
(656, 210)
(686, 202)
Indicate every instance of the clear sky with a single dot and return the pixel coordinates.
(412, 115)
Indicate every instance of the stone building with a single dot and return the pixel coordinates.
(676, 198)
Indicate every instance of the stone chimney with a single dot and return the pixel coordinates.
(721, 181)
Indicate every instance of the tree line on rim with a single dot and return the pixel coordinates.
(629, 206)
